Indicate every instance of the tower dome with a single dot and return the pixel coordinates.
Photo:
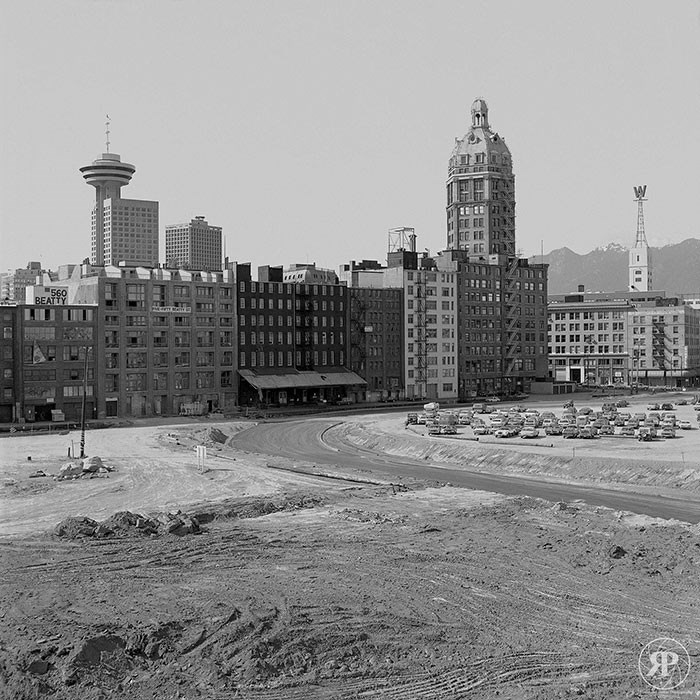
(481, 190)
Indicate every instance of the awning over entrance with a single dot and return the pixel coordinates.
(301, 380)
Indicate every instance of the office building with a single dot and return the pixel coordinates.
(193, 246)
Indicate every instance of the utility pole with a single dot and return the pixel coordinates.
(82, 412)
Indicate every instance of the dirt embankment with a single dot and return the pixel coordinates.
(388, 435)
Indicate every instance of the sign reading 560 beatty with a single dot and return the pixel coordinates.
(50, 296)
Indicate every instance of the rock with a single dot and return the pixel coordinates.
(103, 530)
(93, 652)
(38, 667)
(617, 552)
(70, 470)
(76, 527)
(92, 464)
(37, 474)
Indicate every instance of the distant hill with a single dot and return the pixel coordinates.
(676, 268)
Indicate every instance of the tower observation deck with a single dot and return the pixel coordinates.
(107, 175)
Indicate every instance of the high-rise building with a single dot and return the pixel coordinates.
(124, 231)
(193, 246)
(481, 191)
(14, 282)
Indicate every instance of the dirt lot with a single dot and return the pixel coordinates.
(300, 587)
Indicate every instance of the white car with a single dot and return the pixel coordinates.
(685, 425)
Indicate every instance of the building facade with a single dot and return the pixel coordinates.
(49, 354)
(376, 334)
(624, 338)
(193, 246)
(14, 282)
(293, 341)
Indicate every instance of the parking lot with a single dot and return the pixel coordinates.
(660, 426)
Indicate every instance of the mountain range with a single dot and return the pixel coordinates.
(675, 268)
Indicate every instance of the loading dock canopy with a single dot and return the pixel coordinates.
(301, 380)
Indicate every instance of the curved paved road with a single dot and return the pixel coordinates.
(303, 440)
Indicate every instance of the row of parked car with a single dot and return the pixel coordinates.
(585, 422)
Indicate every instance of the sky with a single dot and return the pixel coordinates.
(309, 128)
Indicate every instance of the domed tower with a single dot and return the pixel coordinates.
(481, 190)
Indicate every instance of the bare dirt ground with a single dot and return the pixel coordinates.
(296, 586)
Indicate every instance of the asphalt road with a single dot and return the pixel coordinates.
(303, 440)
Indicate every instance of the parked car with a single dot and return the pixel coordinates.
(587, 433)
(505, 433)
(529, 433)
(482, 430)
(606, 430)
(571, 431)
(667, 407)
(412, 419)
(653, 407)
(493, 399)
(627, 430)
(622, 403)
(685, 425)
(668, 432)
(464, 419)
(554, 429)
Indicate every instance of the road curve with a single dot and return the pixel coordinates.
(302, 440)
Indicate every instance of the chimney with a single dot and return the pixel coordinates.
(581, 288)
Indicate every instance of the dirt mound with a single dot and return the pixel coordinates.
(257, 507)
(128, 524)
(71, 528)
(97, 654)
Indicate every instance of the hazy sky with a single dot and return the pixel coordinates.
(308, 128)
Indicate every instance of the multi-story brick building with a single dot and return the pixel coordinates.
(376, 334)
(46, 350)
(502, 338)
(293, 340)
(624, 338)
(165, 339)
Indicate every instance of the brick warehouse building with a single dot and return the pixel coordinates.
(43, 360)
(164, 340)
(293, 340)
(376, 332)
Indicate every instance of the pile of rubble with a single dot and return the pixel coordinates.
(128, 524)
(88, 468)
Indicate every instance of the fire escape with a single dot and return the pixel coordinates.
(512, 335)
(304, 326)
(358, 337)
(658, 343)
(420, 338)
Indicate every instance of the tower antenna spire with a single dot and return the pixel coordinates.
(107, 131)
(640, 197)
